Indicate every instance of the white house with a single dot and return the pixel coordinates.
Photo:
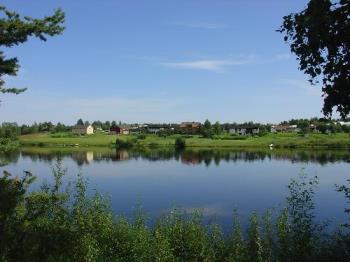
(284, 128)
(244, 130)
(83, 129)
(342, 123)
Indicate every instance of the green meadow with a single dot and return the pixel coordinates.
(279, 140)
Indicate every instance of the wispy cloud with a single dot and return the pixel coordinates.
(218, 65)
(209, 64)
(200, 25)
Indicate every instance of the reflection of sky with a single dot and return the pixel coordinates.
(215, 190)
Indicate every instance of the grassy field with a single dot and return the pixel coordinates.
(282, 140)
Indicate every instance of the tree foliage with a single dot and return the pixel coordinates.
(15, 30)
(320, 37)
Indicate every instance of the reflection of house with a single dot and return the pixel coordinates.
(284, 128)
(123, 155)
(244, 130)
(83, 129)
(190, 127)
(89, 156)
(190, 160)
(82, 157)
(116, 130)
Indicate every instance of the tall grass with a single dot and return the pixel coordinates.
(63, 223)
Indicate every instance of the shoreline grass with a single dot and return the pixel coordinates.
(55, 223)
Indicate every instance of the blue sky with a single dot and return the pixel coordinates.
(160, 61)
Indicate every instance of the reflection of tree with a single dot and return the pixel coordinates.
(8, 157)
(188, 156)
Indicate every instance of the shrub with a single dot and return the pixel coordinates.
(180, 143)
(54, 223)
(153, 144)
(7, 144)
(123, 144)
(141, 136)
(235, 137)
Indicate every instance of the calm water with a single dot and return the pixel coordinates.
(215, 182)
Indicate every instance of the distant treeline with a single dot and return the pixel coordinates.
(12, 130)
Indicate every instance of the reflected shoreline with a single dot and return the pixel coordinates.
(206, 157)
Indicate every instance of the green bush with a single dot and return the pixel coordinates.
(8, 144)
(124, 144)
(234, 137)
(141, 136)
(180, 143)
(153, 144)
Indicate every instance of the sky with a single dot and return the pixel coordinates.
(160, 61)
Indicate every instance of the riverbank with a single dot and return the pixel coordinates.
(280, 140)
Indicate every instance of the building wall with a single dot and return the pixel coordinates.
(89, 130)
(83, 131)
(124, 131)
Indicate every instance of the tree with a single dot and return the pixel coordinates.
(80, 122)
(9, 130)
(206, 129)
(15, 30)
(106, 125)
(217, 128)
(320, 38)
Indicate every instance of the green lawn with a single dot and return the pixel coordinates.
(340, 140)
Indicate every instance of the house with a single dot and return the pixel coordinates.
(119, 130)
(284, 128)
(244, 130)
(83, 129)
(134, 130)
(114, 130)
(190, 127)
(313, 128)
(154, 128)
(342, 123)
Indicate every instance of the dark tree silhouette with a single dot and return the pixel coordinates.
(15, 30)
(320, 37)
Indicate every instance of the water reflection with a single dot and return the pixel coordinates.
(187, 157)
(249, 180)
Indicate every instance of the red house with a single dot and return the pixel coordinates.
(114, 130)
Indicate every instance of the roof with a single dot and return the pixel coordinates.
(192, 124)
(81, 126)
(284, 126)
(243, 126)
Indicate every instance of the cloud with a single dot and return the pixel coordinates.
(210, 65)
(218, 65)
(201, 25)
